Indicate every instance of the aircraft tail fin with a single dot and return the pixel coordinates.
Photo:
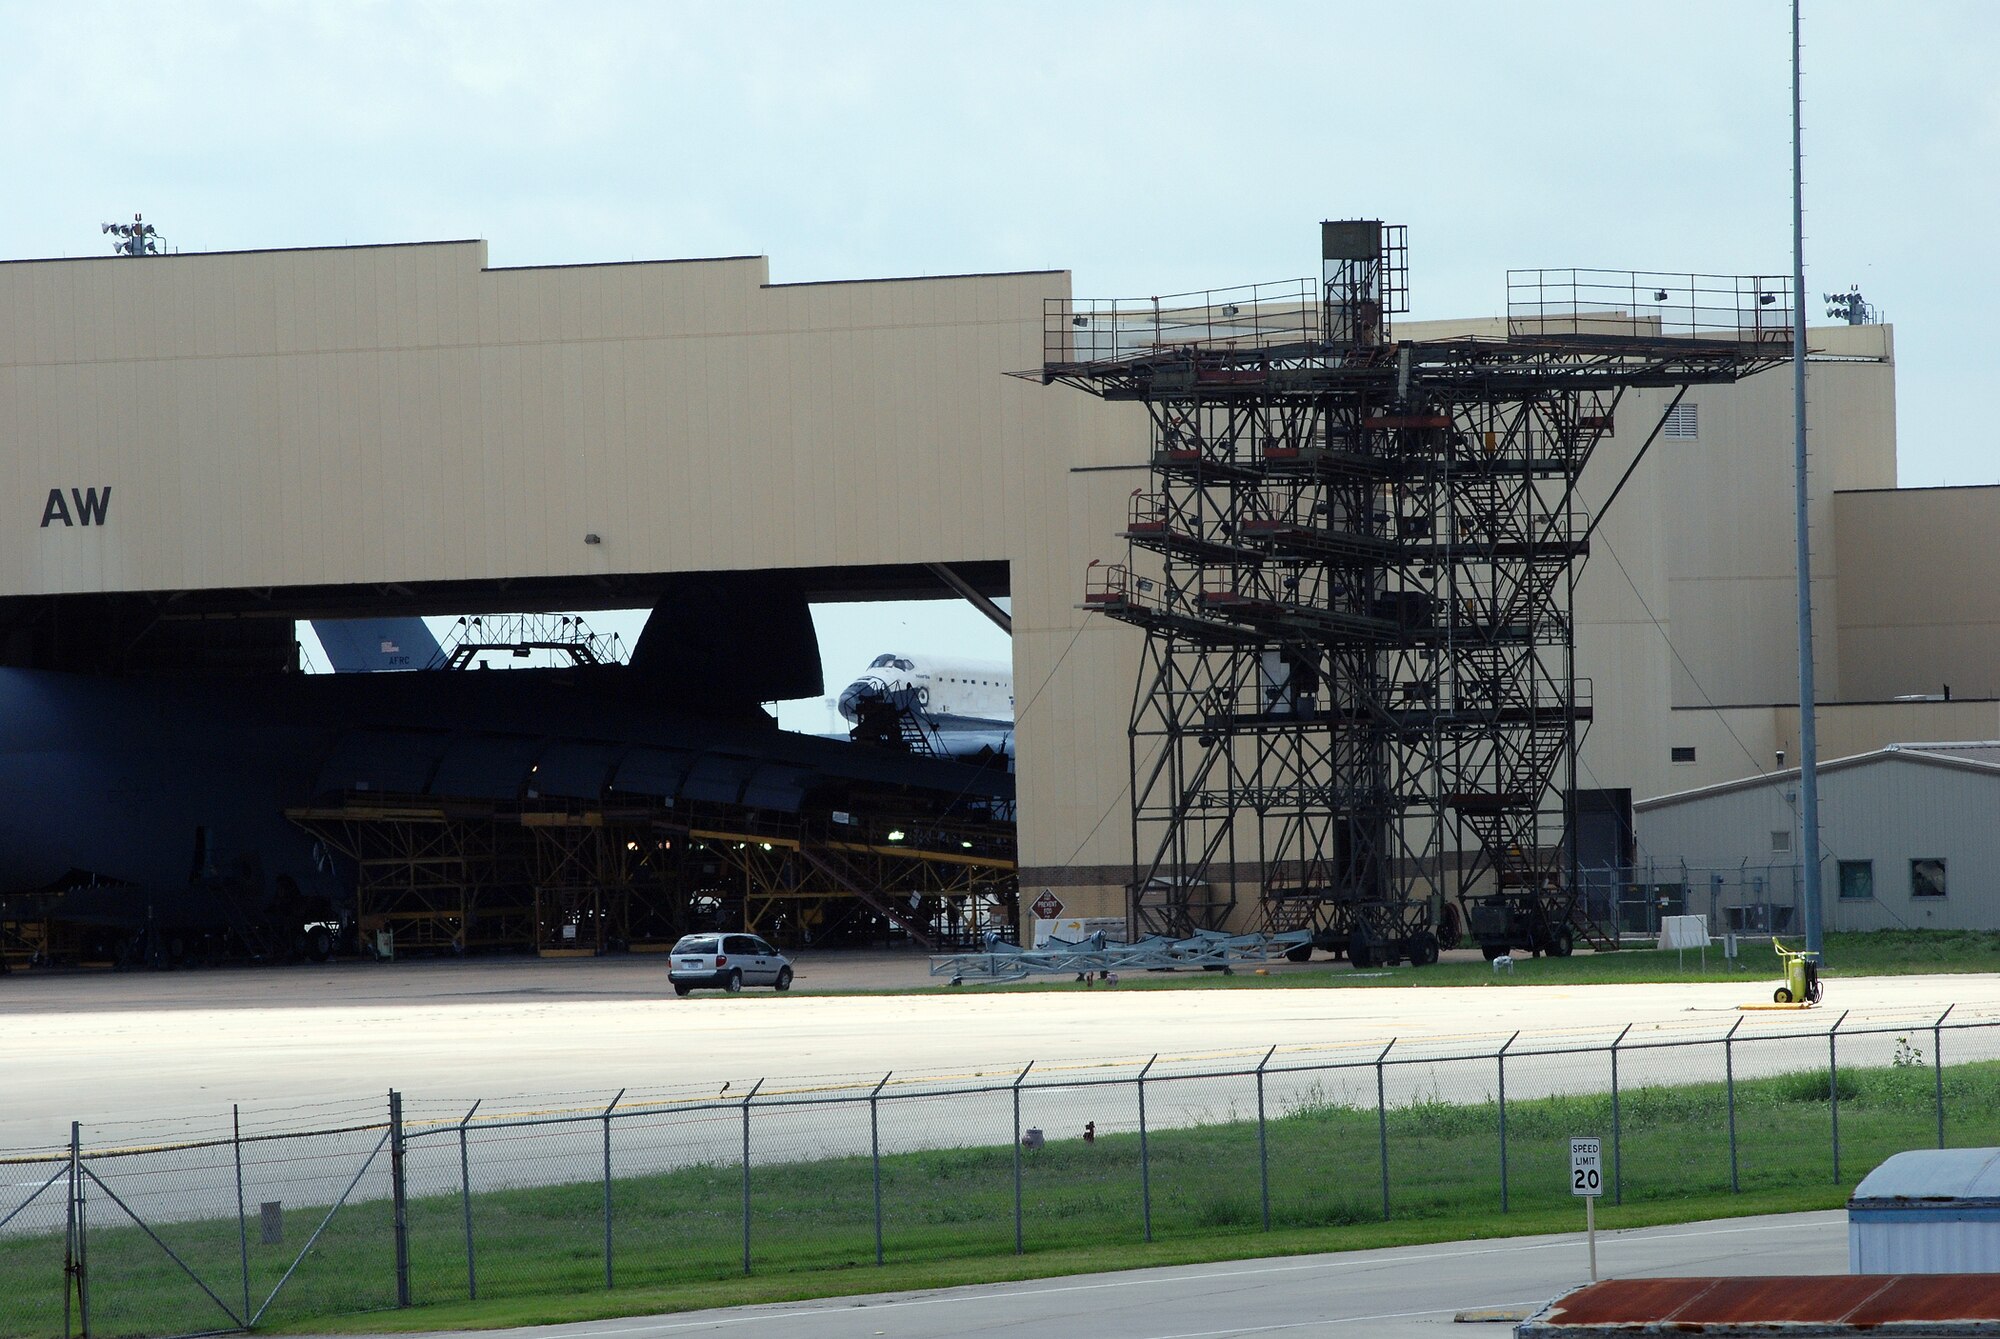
(364, 645)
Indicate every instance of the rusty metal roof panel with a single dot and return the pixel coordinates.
(1883, 1305)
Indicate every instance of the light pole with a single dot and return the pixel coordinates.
(1808, 734)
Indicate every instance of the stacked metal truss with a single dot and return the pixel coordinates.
(1355, 566)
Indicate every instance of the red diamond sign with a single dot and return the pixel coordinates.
(1048, 906)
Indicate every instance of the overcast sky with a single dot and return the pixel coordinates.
(1148, 148)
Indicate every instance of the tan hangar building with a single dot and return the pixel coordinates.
(405, 417)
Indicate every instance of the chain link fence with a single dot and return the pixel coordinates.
(1757, 901)
(256, 1219)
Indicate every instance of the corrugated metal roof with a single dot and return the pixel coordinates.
(1932, 1175)
(1973, 750)
(1971, 756)
(1838, 1304)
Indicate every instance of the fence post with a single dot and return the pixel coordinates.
(875, 1156)
(69, 1232)
(1263, 1147)
(399, 1192)
(1729, 1080)
(607, 1186)
(1833, 1088)
(1617, 1131)
(1937, 1064)
(465, 1199)
(1382, 1124)
(242, 1225)
(1145, 1156)
(1018, 1080)
(1501, 1058)
(76, 1275)
(746, 1172)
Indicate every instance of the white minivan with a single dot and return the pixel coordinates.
(730, 961)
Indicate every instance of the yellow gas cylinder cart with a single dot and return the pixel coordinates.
(1801, 984)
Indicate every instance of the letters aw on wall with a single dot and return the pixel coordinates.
(84, 506)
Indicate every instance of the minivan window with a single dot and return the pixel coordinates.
(696, 944)
(738, 944)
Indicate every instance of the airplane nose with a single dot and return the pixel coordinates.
(856, 693)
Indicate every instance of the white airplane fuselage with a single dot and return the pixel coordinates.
(968, 704)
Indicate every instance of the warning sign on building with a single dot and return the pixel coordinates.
(1048, 906)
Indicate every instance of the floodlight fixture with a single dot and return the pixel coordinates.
(1851, 307)
(1659, 295)
(137, 238)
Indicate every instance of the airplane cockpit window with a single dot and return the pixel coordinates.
(902, 664)
(880, 661)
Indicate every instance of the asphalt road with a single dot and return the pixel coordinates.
(1407, 1292)
(185, 1045)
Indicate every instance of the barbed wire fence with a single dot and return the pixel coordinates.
(274, 1217)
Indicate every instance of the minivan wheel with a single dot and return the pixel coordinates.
(681, 988)
(734, 983)
(784, 981)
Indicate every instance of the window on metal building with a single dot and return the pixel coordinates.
(1927, 878)
(1857, 880)
(1683, 423)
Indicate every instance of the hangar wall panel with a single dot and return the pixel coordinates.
(401, 413)
(1920, 607)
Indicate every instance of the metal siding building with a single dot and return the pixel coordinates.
(1928, 1211)
(1880, 814)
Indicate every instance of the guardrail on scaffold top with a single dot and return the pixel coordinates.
(1111, 330)
(1628, 304)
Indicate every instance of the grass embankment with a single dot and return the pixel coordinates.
(1877, 953)
(948, 1215)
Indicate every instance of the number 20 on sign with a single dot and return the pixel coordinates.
(1586, 1167)
(1586, 1178)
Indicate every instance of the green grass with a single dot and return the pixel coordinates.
(1876, 953)
(948, 1215)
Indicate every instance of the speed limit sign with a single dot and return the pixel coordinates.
(1586, 1167)
(1586, 1178)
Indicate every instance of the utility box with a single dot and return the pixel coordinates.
(1930, 1211)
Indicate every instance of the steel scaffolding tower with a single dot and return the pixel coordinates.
(1355, 564)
